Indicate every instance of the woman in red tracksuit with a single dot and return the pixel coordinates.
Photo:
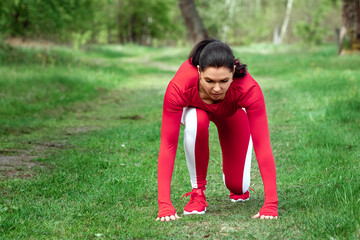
(214, 86)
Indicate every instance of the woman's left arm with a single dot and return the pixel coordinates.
(261, 139)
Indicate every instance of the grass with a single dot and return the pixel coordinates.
(90, 121)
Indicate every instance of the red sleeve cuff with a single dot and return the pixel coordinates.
(269, 209)
(166, 209)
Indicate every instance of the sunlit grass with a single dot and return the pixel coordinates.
(99, 114)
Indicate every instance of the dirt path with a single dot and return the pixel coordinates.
(23, 163)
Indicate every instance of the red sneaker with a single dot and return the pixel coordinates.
(197, 203)
(239, 198)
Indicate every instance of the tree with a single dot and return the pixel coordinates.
(280, 39)
(140, 21)
(156, 22)
(350, 28)
(193, 22)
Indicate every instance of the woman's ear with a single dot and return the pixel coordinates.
(198, 68)
(234, 69)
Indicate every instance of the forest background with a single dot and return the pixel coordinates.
(160, 23)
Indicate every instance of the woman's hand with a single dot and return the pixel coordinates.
(168, 218)
(264, 217)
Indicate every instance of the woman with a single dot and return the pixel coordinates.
(214, 86)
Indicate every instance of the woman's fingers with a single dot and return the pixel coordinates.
(264, 216)
(168, 218)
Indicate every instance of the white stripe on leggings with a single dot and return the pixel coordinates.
(189, 120)
(247, 167)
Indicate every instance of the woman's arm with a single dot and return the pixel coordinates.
(261, 139)
(170, 128)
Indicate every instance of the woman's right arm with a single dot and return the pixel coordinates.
(170, 127)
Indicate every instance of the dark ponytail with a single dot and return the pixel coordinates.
(240, 69)
(214, 53)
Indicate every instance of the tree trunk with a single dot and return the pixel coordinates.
(276, 37)
(350, 25)
(193, 22)
(286, 22)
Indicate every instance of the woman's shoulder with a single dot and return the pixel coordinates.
(246, 83)
(183, 85)
(249, 93)
(186, 76)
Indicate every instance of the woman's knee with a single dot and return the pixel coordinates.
(234, 185)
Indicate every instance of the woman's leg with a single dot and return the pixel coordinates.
(196, 144)
(236, 146)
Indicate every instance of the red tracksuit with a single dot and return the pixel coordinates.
(234, 127)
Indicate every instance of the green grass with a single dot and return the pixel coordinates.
(92, 120)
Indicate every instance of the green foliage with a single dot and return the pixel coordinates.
(140, 21)
(312, 32)
(34, 18)
(246, 22)
(159, 22)
(241, 22)
(86, 21)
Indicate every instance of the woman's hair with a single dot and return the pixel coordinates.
(214, 53)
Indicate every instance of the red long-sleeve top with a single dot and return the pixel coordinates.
(243, 92)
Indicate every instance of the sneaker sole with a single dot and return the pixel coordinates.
(194, 212)
(240, 200)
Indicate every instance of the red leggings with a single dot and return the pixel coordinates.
(236, 146)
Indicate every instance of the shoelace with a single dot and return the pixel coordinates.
(199, 199)
(186, 195)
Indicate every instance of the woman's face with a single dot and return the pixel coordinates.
(214, 82)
